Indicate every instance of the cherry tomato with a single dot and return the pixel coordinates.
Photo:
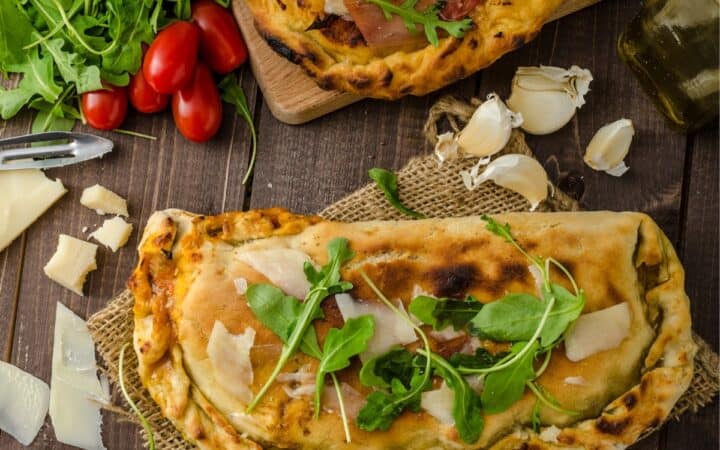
(196, 107)
(170, 61)
(105, 109)
(143, 97)
(221, 44)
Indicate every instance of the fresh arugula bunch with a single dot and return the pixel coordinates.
(63, 48)
(429, 19)
(291, 321)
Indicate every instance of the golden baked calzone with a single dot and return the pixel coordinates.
(544, 330)
(361, 47)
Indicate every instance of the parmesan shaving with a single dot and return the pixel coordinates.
(229, 356)
(23, 403)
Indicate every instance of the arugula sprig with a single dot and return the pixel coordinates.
(534, 325)
(383, 407)
(429, 19)
(386, 181)
(280, 313)
(232, 93)
(324, 282)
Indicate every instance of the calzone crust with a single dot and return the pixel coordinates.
(187, 277)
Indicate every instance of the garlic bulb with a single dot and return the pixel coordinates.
(609, 147)
(547, 97)
(518, 173)
(489, 128)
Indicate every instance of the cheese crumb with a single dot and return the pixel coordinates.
(103, 201)
(71, 263)
(113, 233)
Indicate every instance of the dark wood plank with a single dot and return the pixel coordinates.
(699, 252)
(588, 39)
(152, 175)
(306, 168)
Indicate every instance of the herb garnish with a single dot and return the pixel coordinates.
(387, 182)
(131, 402)
(428, 18)
(324, 282)
(232, 93)
(280, 313)
(383, 407)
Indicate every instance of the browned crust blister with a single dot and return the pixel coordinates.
(173, 243)
(336, 57)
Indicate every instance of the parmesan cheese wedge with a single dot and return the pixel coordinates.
(229, 356)
(103, 201)
(75, 391)
(24, 196)
(598, 331)
(113, 233)
(282, 266)
(71, 263)
(390, 330)
(23, 403)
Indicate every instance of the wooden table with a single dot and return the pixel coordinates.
(673, 177)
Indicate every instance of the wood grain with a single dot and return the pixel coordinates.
(290, 94)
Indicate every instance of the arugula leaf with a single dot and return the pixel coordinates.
(279, 313)
(444, 312)
(429, 19)
(73, 68)
(535, 417)
(382, 408)
(387, 182)
(516, 317)
(15, 33)
(467, 405)
(324, 283)
(480, 360)
(505, 387)
(340, 345)
(398, 363)
(232, 93)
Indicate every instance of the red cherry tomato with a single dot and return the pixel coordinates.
(196, 107)
(105, 109)
(170, 61)
(221, 44)
(143, 97)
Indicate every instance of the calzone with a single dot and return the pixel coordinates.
(267, 329)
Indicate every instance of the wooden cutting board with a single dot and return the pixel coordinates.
(291, 95)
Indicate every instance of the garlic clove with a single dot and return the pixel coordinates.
(518, 173)
(488, 130)
(547, 97)
(446, 148)
(609, 147)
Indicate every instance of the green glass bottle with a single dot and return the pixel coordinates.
(672, 47)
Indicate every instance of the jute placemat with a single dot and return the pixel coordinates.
(436, 191)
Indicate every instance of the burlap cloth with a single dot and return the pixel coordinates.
(436, 191)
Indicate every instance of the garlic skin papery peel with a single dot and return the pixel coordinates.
(547, 97)
(518, 173)
(488, 130)
(609, 147)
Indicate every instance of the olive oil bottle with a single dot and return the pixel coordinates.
(672, 47)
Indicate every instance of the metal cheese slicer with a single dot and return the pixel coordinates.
(60, 148)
